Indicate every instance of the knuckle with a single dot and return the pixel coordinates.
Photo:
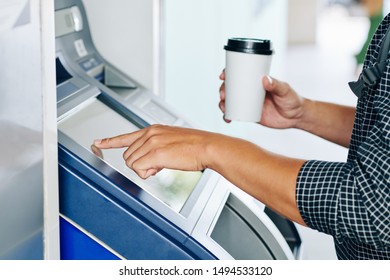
(154, 140)
(152, 130)
(129, 163)
(106, 141)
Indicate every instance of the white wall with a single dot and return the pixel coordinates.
(195, 34)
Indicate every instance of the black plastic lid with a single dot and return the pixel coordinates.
(249, 45)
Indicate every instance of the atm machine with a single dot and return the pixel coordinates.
(106, 210)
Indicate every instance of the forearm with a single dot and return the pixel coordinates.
(330, 121)
(268, 177)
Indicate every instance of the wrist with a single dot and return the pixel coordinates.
(208, 150)
(216, 149)
(307, 116)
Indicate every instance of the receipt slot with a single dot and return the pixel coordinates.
(106, 210)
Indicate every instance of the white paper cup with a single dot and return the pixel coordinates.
(247, 62)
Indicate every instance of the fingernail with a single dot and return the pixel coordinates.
(226, 120)
(269, 80)
(97, 141)
(97, 151)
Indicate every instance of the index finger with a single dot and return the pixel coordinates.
(119, 141)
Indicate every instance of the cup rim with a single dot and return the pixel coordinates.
(249, 45)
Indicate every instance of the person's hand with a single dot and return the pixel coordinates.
(283, 107)
(156, 147)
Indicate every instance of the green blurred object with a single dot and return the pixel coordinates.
(374, 23)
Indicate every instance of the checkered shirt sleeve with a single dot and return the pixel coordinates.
(351, 200)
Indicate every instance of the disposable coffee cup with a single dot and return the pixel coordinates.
(247, 62)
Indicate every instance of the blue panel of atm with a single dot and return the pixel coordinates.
(106, 210)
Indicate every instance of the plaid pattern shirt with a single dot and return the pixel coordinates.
(351, 200)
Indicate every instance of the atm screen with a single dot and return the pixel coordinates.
(95, 120)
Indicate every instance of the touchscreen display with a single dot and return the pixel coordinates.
(96, 120)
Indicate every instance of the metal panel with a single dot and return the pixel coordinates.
(26, 132)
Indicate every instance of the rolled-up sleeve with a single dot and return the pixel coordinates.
(351, 200)
(346, 200)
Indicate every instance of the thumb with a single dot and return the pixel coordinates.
(274, 86)
(268, 83)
